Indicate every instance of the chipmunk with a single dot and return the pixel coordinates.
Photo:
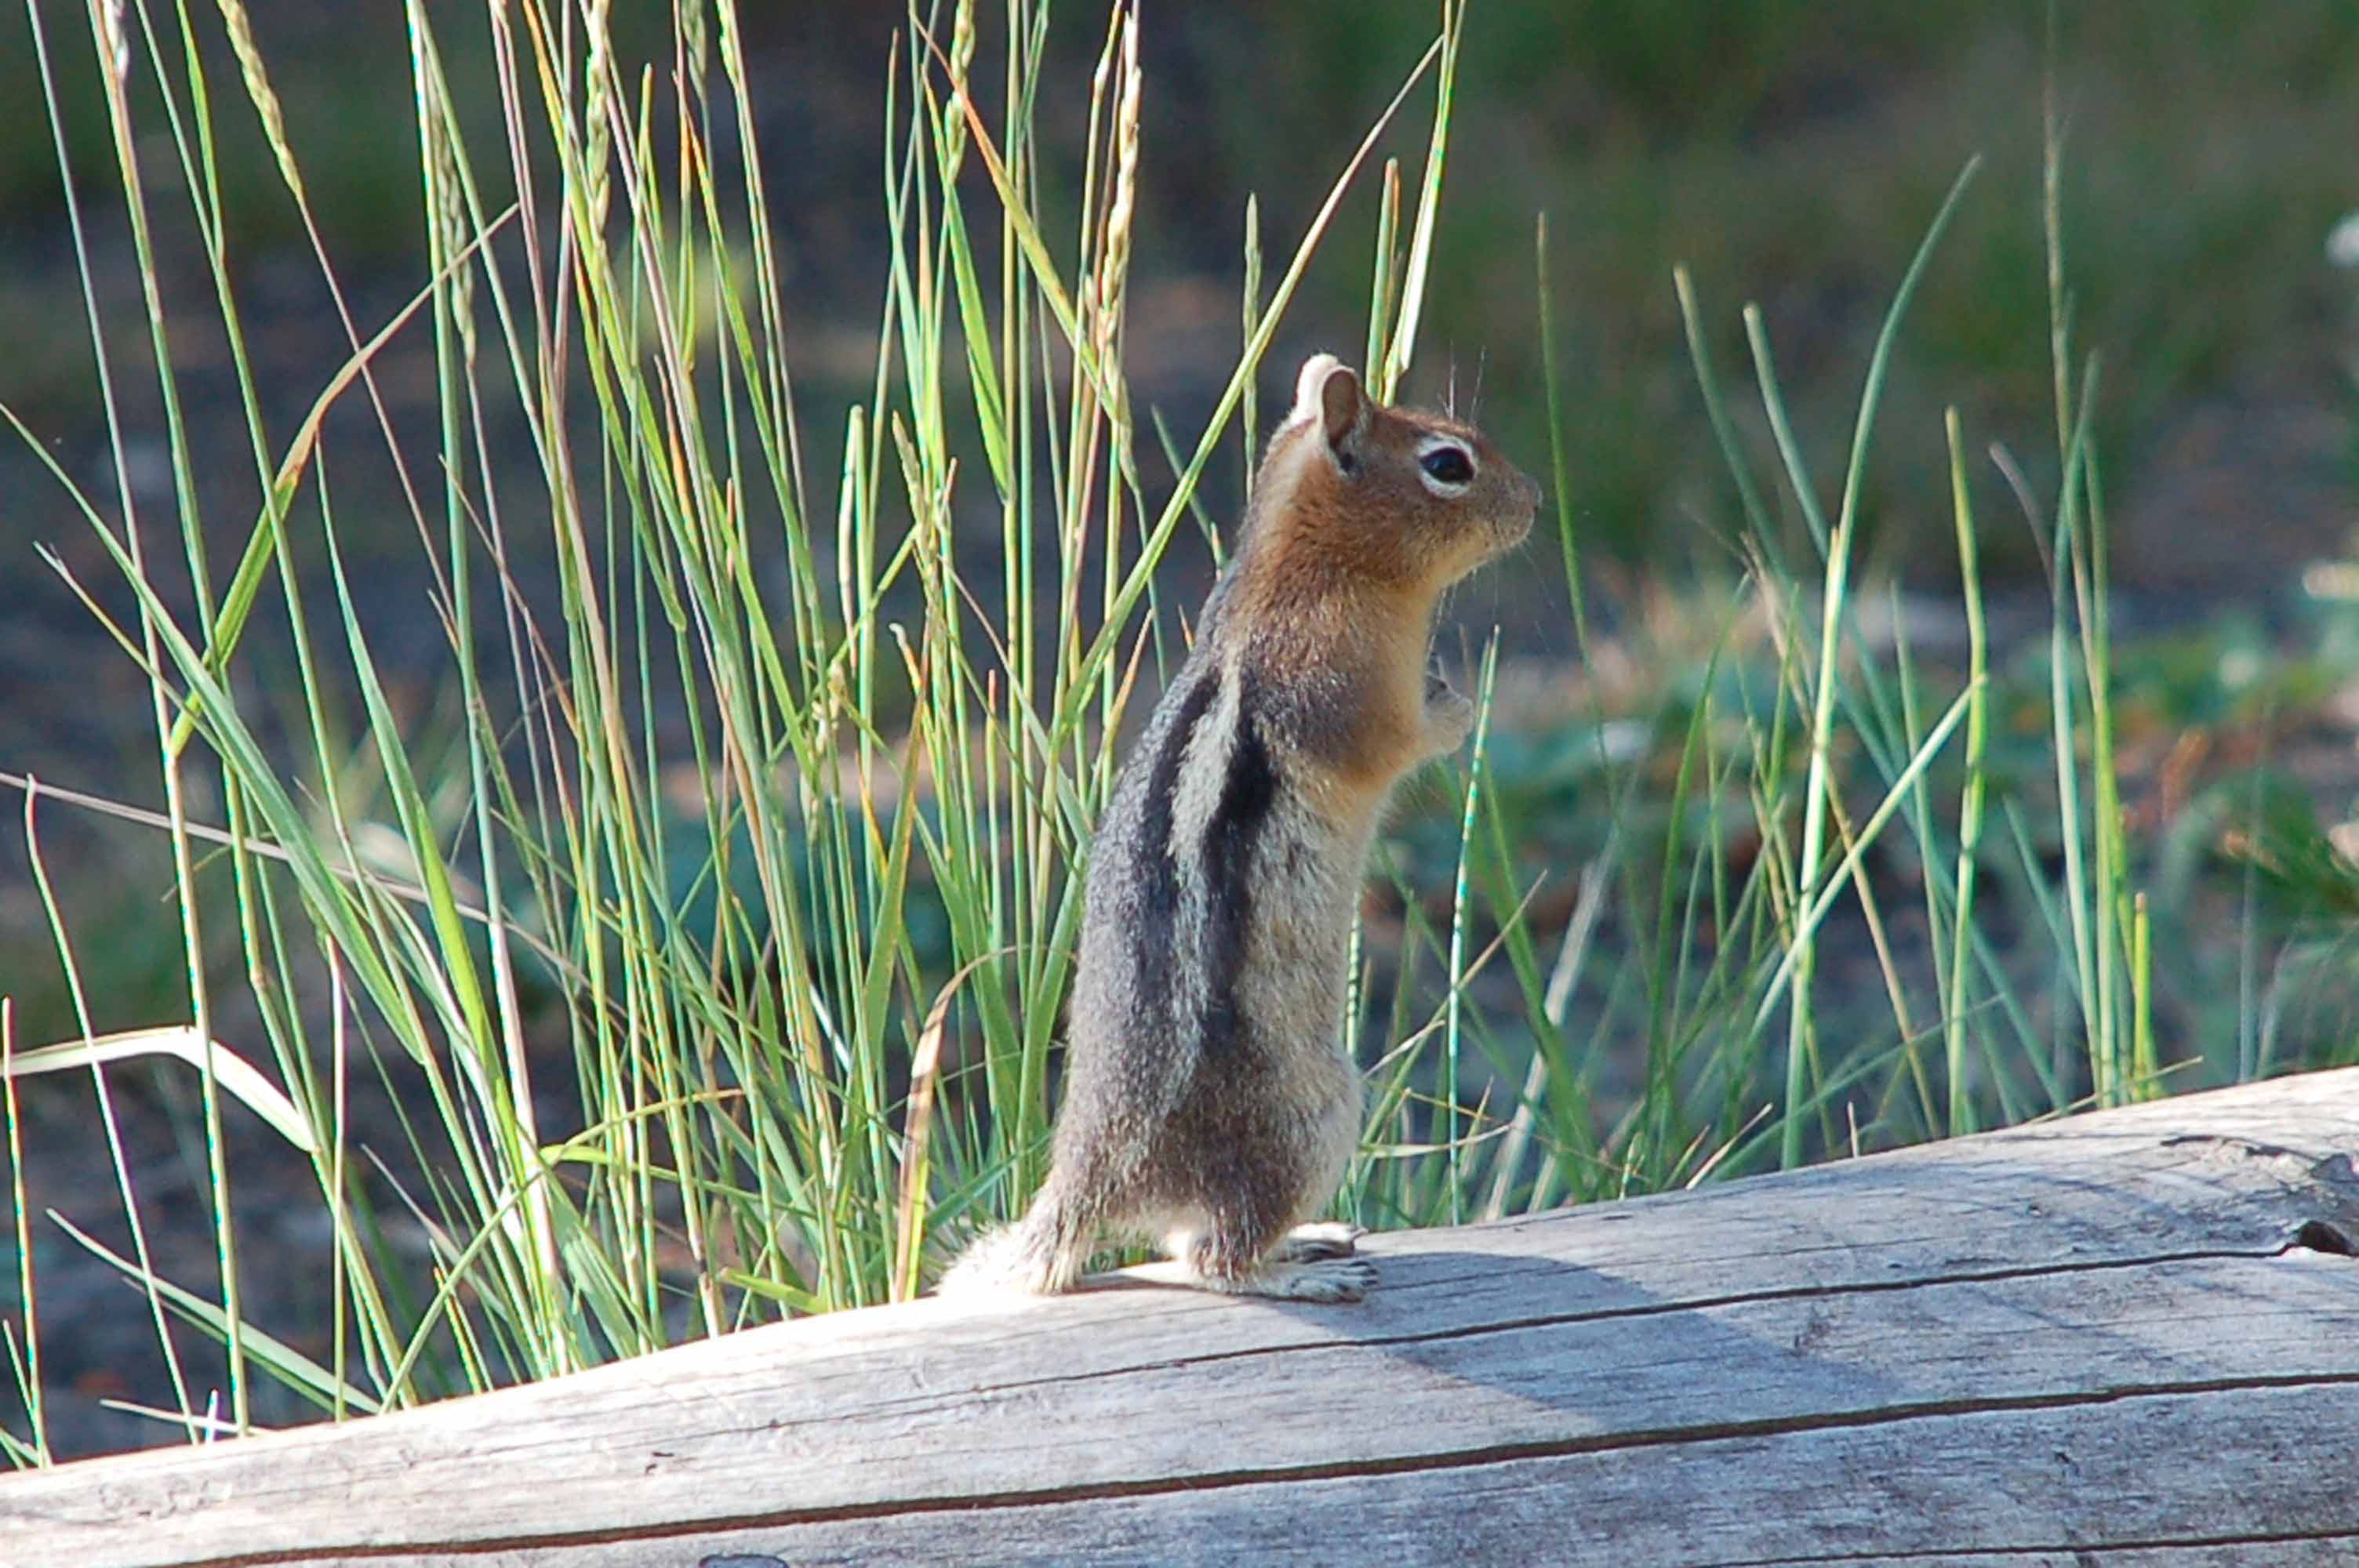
(1206, 1102)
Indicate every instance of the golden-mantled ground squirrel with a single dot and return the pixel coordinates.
(1206, 1103)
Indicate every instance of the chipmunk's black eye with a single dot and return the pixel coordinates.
(1448, 465)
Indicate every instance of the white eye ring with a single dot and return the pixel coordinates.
(1446, 467)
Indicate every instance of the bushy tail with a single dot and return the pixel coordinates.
(1040, 1254)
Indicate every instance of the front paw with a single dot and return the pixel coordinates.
(1449, 717)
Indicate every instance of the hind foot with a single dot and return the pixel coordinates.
(1327, 1279)
(1314, 1243)
(1331, 1278)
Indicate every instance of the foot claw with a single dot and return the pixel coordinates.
(1337, 1280)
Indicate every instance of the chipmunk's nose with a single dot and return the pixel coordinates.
(1528, 491)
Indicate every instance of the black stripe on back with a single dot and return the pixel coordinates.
(1143, 882)
(1247, 795)
(1160, 876)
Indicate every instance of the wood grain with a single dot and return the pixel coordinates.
(2131, 1337)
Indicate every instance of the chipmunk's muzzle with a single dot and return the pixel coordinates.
(1514, 523)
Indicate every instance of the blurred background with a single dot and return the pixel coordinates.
(1787, 154)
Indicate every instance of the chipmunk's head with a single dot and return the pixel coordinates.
(1407, 494)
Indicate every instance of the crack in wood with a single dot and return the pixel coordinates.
(2306, 1236)
(2321, 1236)
(1461, 1459)
(2301, 1238)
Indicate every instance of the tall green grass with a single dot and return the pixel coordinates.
(758, 844)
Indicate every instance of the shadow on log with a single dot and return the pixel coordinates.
(2130, 1337)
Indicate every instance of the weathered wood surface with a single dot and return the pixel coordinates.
(2129, 1338)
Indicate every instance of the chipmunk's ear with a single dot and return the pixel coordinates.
(1327, 393)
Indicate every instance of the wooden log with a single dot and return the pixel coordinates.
(2126, 1338)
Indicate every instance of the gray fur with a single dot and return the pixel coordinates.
(1206, 1104)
